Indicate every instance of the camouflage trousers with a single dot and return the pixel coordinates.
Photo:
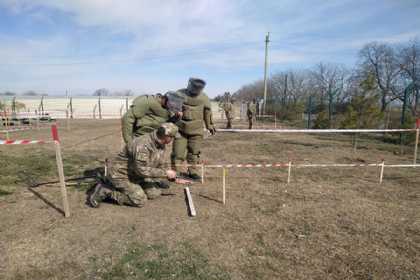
(127, 188)
(229, 118)
(250, 121)
(187, 148)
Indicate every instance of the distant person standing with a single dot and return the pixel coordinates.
(251, 113)
(227, 107)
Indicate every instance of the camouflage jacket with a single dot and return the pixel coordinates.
(147, 157)
(145, 115)
(227, 107)
(252, 109)
(142, 160)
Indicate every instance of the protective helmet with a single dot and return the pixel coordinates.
(174, 102)
(167, 129)
(195, 86)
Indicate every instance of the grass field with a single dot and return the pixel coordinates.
(326, 224)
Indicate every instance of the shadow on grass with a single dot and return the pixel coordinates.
(210, 198)
(46, 201)
(3, 193)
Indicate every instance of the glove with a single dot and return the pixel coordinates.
(212, 130)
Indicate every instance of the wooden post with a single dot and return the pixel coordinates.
(202, 173)
(289, 172)
(275, 119)
(6, 118)
(106, 168)
(190, 202)
(37, 121)
(355, 142)
(94, 111)
(60, 168)
(67, 120)
(381, 176)
(71, 107)
(100, 107)
(417, 140)
(126, 104)
(224, 185)
(416, 145)
(121, 109)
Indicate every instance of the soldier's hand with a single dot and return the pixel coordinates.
(212, 130)
(171, 174)
(183, 181)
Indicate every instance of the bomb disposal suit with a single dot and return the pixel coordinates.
(196, 110)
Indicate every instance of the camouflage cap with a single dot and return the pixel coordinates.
(168, 129)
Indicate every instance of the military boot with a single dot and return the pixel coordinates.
(98, 194)
(163, 185)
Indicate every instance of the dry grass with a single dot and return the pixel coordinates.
(326, 224)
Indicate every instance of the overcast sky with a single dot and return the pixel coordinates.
(154, 46)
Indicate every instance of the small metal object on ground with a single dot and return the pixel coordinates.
(191, 208)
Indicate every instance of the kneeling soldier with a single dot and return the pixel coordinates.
(138, 172)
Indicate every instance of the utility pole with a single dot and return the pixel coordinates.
(267, 40)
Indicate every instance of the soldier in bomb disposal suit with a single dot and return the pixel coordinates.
(196, 110)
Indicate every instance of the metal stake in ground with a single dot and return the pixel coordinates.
(202, 173)
(60, 168)
(191, 207)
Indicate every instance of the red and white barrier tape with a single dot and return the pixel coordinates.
(22, 142)
(14, 130)
(247, 165)
(299, 165)
(23, 129)
(319, 130)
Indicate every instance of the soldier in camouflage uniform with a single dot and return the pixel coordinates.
(147, 113)
(196, 109)
(227, 107)
(136, 174)
(251, 112)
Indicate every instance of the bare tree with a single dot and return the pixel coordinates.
(409, 57)
(250, 91)
(381, 61)
(101, 92)
(329, 80)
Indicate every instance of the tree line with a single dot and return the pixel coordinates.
(381, 90)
